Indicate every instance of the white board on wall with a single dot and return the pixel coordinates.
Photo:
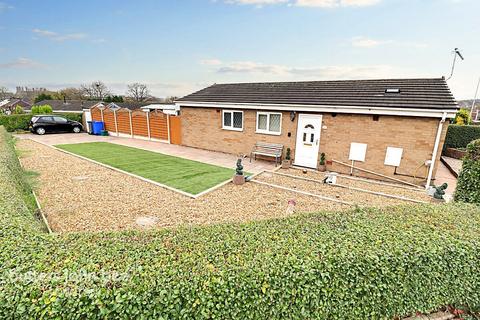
(393, 156)
(358, 151)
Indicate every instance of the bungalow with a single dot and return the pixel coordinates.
(392, 127)
(8, 105)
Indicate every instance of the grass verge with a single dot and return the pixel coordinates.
(183, 174)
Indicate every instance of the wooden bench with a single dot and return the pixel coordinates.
(273, 150)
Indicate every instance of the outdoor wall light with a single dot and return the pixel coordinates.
(292, 115)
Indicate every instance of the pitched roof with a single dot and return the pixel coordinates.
(9, 103)
(130, 105)
(69, 105)
(413, 93)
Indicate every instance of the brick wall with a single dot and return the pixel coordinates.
(202, 128)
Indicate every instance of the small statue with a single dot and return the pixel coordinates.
(440, 191)
(239, 170)
(239, 178)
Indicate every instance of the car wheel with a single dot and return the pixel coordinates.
(40, 131)
(77, 129)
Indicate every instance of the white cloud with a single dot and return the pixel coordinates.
(256, 2)
(317, 72)
(21, 63)
(307, 3)
(5, 6)
(211, 62)
(335, 3)
(99, 40)
(365, 42)
(59, 37)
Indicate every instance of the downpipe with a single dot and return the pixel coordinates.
(435, 150)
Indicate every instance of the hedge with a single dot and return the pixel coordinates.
(369, 263)
(459, 136)
(468, 187)
(18, 122)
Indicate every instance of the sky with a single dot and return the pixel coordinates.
(177, 47)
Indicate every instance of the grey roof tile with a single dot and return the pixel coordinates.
(414, 93)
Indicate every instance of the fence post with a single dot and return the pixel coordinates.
(130, 116)
(148, 125)
(101, 113)
(115, 118)
(168, 127)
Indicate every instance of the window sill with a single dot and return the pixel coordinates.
(232, 129)
(268, 133)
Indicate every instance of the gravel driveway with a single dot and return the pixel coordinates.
(77, 195)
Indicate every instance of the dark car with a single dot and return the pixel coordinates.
(51, 123)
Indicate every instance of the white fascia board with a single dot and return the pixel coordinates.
(428, 113)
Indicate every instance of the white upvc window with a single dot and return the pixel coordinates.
(232, 120)
(269, 123)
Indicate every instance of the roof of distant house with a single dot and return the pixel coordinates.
(68, 105)
(13, 102)
(130, 105)
(392, 93)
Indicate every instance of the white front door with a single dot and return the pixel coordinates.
(308, 140)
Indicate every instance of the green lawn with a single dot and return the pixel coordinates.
(186, 175)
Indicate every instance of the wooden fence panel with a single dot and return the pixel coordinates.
(139, 123)
(135, 122)
(123, 121)
(108, 118)
(96, 114)
(158, 125)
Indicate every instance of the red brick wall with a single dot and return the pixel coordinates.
(202, 128)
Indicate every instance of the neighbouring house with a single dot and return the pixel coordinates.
(8, 105)
(394, 127)
(66, 106)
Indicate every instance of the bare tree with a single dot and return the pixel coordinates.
(96, 90)
(170, 99)
(4, 93)
(71, 94)
(138, 91)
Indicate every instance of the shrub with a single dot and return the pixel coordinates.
(42, 109)
(18, 110)
(15, 122)
(371, 263)
(20, 122)
(460, 136)
(462, 117)
(468, 187)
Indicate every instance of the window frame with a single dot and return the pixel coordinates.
(231, 127)
(267, 131)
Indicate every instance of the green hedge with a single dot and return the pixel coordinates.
(18, 122)
(362, 264)
(459, 136)
(468, 187)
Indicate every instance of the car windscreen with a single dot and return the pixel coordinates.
(34, 119)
